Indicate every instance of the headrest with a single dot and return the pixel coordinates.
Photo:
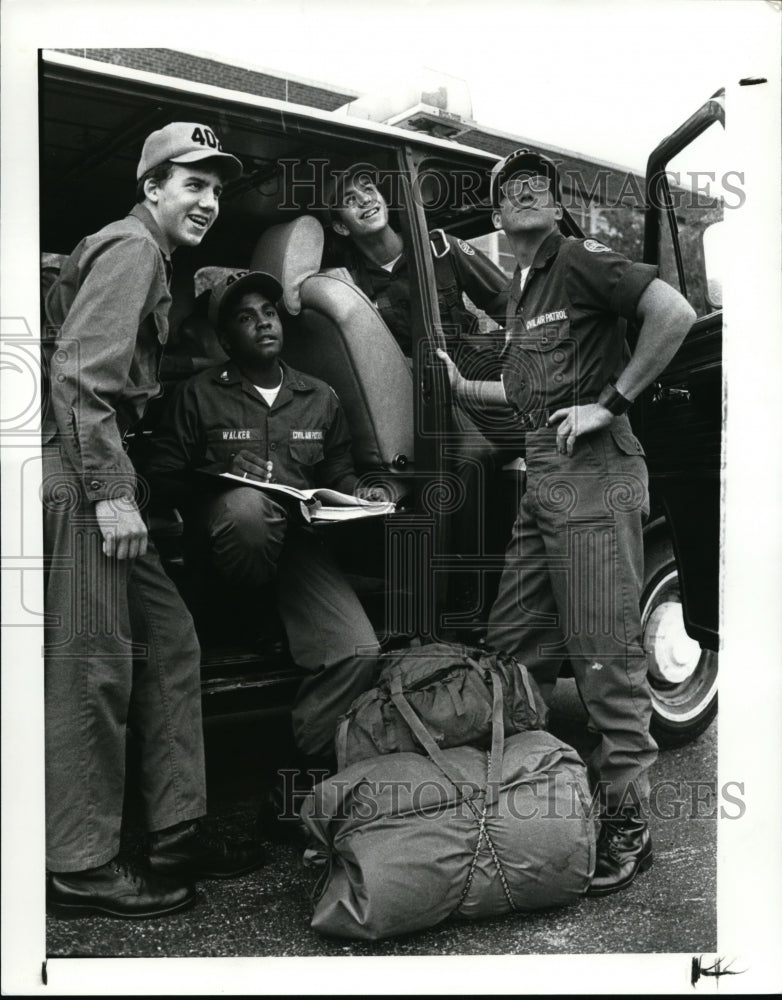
(206, 278)
(291, 252)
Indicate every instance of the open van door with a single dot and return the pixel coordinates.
(679, 421)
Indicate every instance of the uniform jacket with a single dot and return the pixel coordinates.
(108, 321)
(459, 267)
(219, 412)
(566, 330)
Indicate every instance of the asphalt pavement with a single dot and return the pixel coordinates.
(670, 908)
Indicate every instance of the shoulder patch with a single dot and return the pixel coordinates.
(594, 246)
(466, 248)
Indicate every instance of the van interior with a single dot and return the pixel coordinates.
(273, 218)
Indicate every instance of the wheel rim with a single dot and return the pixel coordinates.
(682, 676)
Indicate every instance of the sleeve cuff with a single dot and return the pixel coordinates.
(99, 486)
(634, 283)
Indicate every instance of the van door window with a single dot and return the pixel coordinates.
(692, 230)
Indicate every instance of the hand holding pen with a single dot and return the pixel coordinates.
(249, 466)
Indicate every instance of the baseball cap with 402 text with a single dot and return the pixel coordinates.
(186, 142)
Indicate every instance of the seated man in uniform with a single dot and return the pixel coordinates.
(374, 256)
(254, 416)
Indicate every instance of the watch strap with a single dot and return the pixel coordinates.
(613, 400)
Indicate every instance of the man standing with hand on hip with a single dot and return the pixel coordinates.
(574, 566)
(121, 651)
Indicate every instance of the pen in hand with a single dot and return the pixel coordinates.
(245, 464)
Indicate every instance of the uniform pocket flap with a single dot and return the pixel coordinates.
(625, 440)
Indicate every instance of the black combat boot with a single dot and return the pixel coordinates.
(118, 889)
(187, 850)
(278, 816)
(624, 848)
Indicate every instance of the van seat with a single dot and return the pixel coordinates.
(336, 334)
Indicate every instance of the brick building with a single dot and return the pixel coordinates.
(605, 199)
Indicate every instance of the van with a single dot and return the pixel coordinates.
(406, 567)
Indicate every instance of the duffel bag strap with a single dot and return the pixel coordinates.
(494, 772)
(341, 741)
(424, 737)
(525, 680)
(533, 701)
(494, 777)
(493, 787)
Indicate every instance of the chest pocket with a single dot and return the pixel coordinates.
(306, 450)
(539, 365)
(554, 350)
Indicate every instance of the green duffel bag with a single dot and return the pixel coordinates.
(413, 839)
(449, 688)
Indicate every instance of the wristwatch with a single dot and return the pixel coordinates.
(614, 402)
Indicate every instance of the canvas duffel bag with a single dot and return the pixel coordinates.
(450, 690)
(412, 839)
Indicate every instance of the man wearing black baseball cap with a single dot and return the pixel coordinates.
(258, 418)
(121, 649)
(523, 161)
(574, 565)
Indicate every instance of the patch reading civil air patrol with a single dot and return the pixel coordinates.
(466, 248)
(316, 435)
(545, 318)
(594, 247)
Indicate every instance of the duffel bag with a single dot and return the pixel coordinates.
(450, 689)
(414, 839)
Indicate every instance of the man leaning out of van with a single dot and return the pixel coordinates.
(376, 260)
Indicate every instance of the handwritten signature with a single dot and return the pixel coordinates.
(716, 970)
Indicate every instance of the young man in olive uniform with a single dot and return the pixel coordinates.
(375, 257)
(121, 650)
(377, 262)
(256, 416)
(574, 566)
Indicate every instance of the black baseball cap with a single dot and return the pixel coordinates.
(522, 161)
(236, 282)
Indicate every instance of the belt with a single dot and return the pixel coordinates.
(533, 420)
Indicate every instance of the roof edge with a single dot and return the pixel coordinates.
(58, 58)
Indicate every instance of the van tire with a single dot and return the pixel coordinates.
(682, 674)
